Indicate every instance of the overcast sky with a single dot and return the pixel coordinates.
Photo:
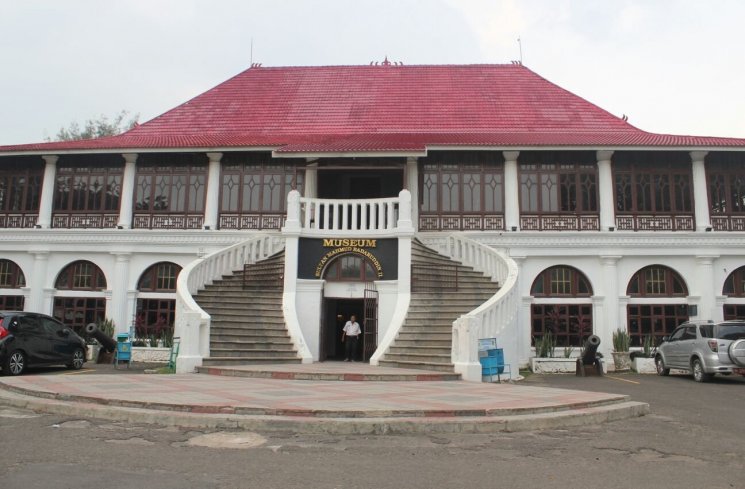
(672, 66)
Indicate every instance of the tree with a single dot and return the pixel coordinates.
(98, 128)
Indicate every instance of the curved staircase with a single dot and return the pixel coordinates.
(441, 291)
(247, 325)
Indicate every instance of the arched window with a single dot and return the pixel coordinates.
(734, 287)
(81, 275)
(160, 277)
(655, 320)
(350, 268)
(569, 324)
(561, 281)
(657, 281)
(11, 275)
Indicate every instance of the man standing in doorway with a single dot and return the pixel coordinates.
(349, 336)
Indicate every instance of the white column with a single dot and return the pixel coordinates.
(310, 185)
(38, 282)
(126, 204)
(608, 321)
(212, 201)
(412, 185)
(707, 290)
(47, 192)
(700, 192)
(131, 310)
(605, 191)
(119, 312)
(511, 196)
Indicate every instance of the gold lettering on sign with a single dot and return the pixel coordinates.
(349, 249)
(358, 243)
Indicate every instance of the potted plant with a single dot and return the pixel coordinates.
(621, 355)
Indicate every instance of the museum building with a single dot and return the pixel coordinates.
(438, 204)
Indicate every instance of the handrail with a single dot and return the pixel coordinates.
(192, 323)
(495, 318)
(350, 216)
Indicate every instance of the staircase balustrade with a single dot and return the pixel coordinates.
(192, 322)
(495, 318)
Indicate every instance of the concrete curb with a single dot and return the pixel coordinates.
(583, 416)
(348, 377)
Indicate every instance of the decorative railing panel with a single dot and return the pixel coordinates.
(655, 223)
(559, 223)
(461, 223)
(252, 221)
(728, 223)
(154, 221)
(18, 220)
(83, 221)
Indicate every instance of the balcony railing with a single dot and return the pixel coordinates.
(655, 223)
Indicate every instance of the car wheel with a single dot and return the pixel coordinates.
(660, 365)
(698, 371)
(15, 363)
(78, 359)
(737, 352)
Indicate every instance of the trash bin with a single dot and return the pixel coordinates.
(123, 349)
(492, 360)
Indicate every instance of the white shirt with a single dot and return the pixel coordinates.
(352, 328)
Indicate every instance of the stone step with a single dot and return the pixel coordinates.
(258, 335)
(250, 354)
(419, 365)
(403, 342)
(248, 361)
(247, 328)
(419, 349)
(428, 336)
(243, 345)
(435, 358)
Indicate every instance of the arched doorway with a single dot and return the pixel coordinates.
(81, 300)
(561, 306)
(350, 292)
(734, 289)
(659, 317)
(156, 303)
(11, 281)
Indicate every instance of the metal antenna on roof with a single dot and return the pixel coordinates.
(520, 44)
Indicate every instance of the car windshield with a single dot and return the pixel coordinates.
(731, 331)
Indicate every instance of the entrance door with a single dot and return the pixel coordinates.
(370, 327)
(337, 313)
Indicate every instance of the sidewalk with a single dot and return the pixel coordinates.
(281, 403)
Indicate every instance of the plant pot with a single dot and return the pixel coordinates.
(92, 353)
(621, 360)
(644, 365)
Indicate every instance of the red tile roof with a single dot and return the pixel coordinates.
(389, 108)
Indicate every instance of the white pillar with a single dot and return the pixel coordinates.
(212, 201)
(38, 282)
(700, 192)
(412, 185)
(605, 191)
(706, 289)
(608, 322)
(119, 313)
(310, 185)
(47, 192)
(511, 195)
(126, 203)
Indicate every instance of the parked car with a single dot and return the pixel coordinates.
(704, 348)
(29, 339)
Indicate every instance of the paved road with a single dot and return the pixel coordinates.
(693, 439)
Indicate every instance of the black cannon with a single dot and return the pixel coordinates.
(590, 358)
(107, 343)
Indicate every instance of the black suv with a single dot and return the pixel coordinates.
(28, 338)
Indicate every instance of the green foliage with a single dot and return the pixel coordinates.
(106, 326)
(621, 340)
(568, 350)
(97, 128)
(544, 346)
(647, 345)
